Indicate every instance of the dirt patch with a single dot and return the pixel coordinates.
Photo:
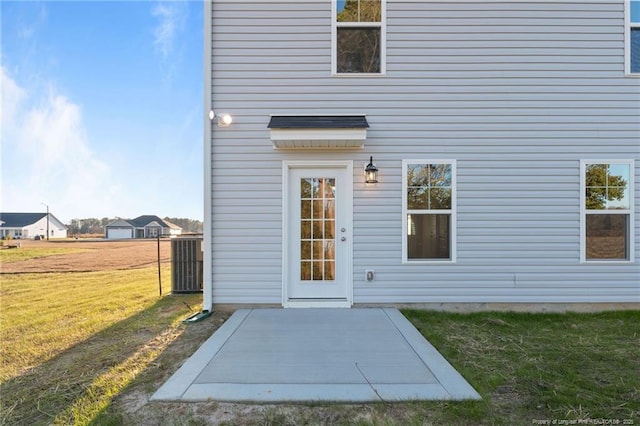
(96, 255)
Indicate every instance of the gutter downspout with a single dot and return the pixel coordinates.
(207, 269)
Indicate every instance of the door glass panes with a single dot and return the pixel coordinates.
(317, 229)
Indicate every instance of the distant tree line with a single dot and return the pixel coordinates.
(88, 226)
(96, 226)
(187, 225)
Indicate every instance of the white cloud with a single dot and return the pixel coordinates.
(46, 156)
(12, 97)
(171, 19)
(28, 30)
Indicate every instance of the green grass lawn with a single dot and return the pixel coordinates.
(540, 366)
(44, 314)
(84, 348)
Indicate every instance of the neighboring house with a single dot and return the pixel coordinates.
(506, 134)
(30, 225)
(147, 226)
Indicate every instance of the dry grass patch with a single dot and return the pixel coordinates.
(24, 253)
(85, 256)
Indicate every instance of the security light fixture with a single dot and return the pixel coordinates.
(371, 172)
(221, 120)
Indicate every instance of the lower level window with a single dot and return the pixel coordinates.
(607, 236)
(607, 210)
(428, 211)
(429, 236)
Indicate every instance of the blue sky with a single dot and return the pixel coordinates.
(102, 108)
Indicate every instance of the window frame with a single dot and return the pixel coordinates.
(628, 25)
(334, 40)
(584, 212)
(453, 212)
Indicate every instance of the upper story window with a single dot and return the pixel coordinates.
(358, 36)
(607, 210)
(429, 211)
(632, 33)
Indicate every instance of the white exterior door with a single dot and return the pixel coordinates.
(317, 228)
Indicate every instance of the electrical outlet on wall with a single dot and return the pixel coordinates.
(369, 274)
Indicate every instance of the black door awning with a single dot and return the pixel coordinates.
(318, 131)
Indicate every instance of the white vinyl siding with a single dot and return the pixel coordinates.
(518, 93)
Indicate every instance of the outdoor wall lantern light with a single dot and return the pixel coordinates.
(221, 120)
(371, 172)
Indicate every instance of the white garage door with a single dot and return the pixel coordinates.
(116, 233)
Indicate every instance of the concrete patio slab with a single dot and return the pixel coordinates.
(345, 355)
